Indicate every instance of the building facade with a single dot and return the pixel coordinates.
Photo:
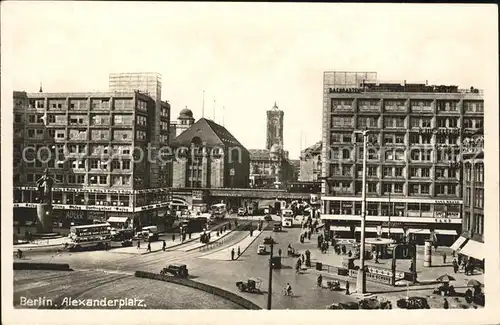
(96, 140)
(471, 242)
(414, 182)
(310, 163)
(269, 168)
(207, 155)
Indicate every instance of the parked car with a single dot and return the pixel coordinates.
(344, 305)
(261, 250)
(268, 217)
(413, 303)
(242, 212)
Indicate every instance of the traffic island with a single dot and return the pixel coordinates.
(200, 286)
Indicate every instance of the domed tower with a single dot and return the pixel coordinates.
(185, 120)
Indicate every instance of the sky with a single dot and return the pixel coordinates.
(245, 56)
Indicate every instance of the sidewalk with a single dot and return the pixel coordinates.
(225, 254)
(38, 243)
(157, 246)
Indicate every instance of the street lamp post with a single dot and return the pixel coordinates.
(270, 286)
(361, 278)
(389, 221)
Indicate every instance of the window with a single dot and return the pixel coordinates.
(126, 164)
(103, 180)
(387, 171)
(452, 122)
(414, 189)
(440, 189)
(335, 137)
(415, 155)
(398, 188)
(372, 171)
(468, 123)
(425, 172)
(424, 189)
(346, 170)
(414, 172)
(426, 122)
(372, 187)
(478, 124)
(414, 138)
(93, 179)
(400, 139)
(441, 122)
(346, 154)
(389, 155)
(387, 188)
(388, 139)
(59, 179)
(115, 164)
(426, 138)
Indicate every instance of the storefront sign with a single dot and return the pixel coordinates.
(448, 202)
(24, 205)
(151, 207)
(198, 195)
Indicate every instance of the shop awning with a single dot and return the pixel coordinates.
(340, 228)
(458, 243)
(473, 249)
(384, 230)
(118, 219)
(449, 232)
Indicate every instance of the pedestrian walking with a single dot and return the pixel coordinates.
(347, 288)
(239, 251)
(173, 237)
(164, 245)
(446, 305)
(232, 254)
(149, 247)
(279, 252)
(302, 258)
(455, 266)
(189, 235)
(411, 266)
(138, 244)
(444, 257)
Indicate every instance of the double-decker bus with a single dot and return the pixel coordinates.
(97, 235)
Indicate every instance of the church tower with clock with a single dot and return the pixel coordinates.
(274, 128)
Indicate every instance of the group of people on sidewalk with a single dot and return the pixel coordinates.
(463, 264)
(233, 253)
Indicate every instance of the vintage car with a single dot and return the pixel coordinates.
(413, 303)
(277, 227)
(242, 212)
(343, 305)
(262, 250)
(252, 285)
(176, 269)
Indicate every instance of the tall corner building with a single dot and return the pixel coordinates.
(97, 137)
(414, 170)
(148, 83)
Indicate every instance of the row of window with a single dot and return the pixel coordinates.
(82, 104)
(82, 134)
(84, 164)
(400, 122)
(386, 209)
(474, 224)
(414, 138)
(414, 172)
(399, 154)
(477, 200)
(82, 179)
(415, 105)
(478, 173)
(395, 188)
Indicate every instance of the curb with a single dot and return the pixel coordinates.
(243, 251)
(184, 242)
(247, 304)
(41, 266)
(219, 238)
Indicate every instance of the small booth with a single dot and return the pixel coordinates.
(379, 246)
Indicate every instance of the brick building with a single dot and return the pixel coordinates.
(414, 181)
(93, 136)
(209, 156)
